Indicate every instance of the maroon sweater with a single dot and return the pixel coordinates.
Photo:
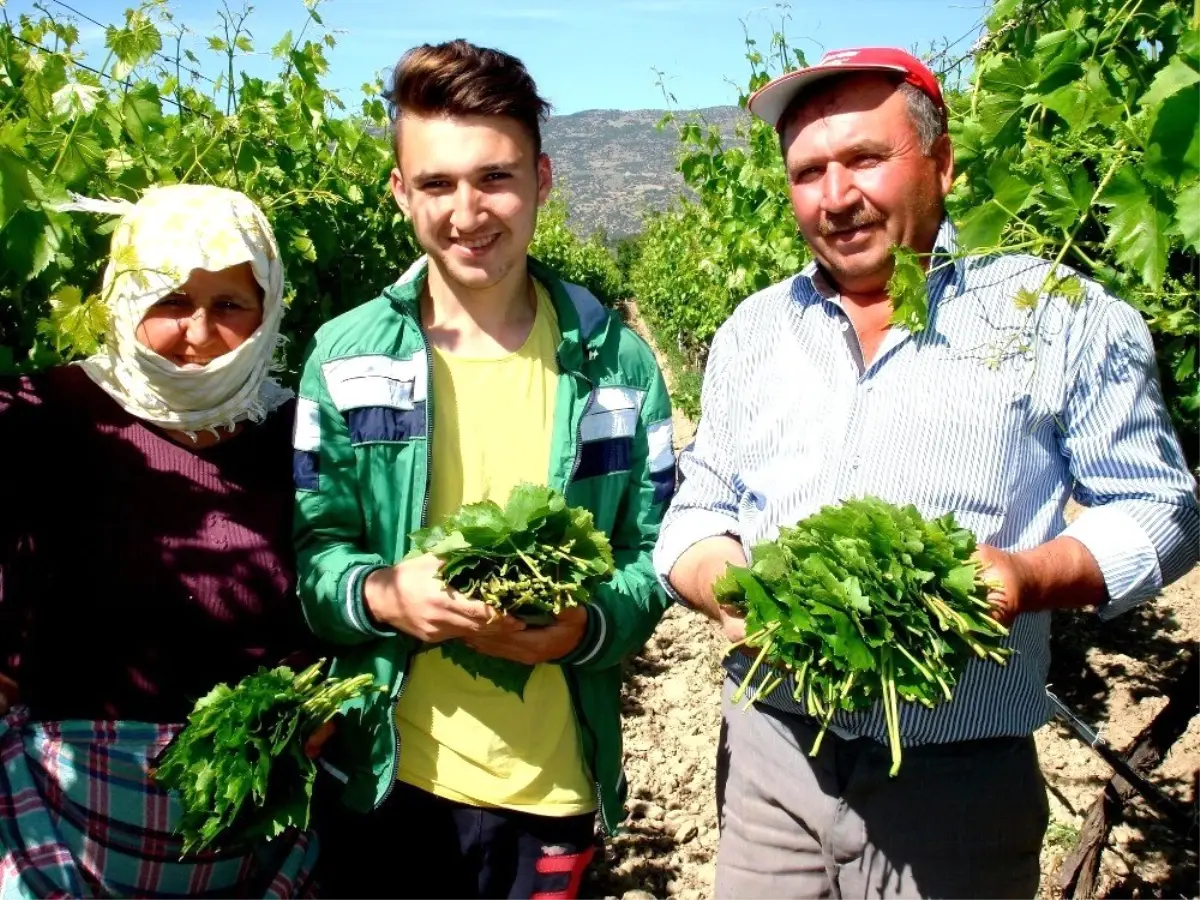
(136, 573)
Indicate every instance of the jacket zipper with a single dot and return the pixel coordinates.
(395, 736)
(580, 720)
(579, 427)
(428, 422)
(424, 515)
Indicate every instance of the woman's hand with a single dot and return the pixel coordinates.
(10, 694)
(316, 740)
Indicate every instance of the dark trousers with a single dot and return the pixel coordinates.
(959, 820)
(419, 845)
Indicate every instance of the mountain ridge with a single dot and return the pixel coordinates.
(615, 165)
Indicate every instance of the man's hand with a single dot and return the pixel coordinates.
(697, 570)
(1006, 570)
(412, 598)
(1059, 574)
(732, 623)
(534, 645)
(10, 694)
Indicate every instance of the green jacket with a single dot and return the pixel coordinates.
(362, 477)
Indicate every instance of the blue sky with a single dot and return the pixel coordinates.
(583, 55)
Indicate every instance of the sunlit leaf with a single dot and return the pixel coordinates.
(76, 99)
(1138, 223)
(908, 292)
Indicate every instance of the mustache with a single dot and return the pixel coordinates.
(857, 219)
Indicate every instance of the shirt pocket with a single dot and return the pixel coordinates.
(952, 444)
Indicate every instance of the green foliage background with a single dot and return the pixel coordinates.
(145, 116)
(1076, 138)
(1080, 141)
(735, 235)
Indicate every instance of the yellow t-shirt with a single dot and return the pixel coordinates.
(461, 737)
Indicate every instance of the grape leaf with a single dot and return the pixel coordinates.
(1173, 150)
(503, 673)
(1187, 216)
(1138, 224)
(532, 559)
(238, 766)
(142, 109)
(863, 598)
(1171, 78)
(908, 291)
(14, 185)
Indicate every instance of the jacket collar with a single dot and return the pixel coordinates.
(582, 319)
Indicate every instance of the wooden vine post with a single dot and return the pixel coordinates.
(1080, 873)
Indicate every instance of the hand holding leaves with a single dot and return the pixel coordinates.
(531, 560)
(865, 602)
(1004, 581)
(535, 645)
(243, 765)
(411, 597)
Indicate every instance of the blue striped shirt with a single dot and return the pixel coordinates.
(995, 413)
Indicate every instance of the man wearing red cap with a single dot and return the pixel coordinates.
(811, 397)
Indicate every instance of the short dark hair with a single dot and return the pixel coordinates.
(457, 78)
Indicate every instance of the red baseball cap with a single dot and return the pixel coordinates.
(771, 100)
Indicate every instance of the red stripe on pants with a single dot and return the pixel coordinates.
(575, 863)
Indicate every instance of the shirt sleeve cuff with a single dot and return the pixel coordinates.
(1126, 556)
(594, 634)
(688, 529)
(353, 592)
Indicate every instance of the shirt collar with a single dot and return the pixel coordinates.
(812, 283)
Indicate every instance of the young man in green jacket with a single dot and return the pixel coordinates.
(478, 370)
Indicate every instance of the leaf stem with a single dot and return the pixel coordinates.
(754, 668)
(62, 151)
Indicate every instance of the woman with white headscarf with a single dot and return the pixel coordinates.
(145, 555)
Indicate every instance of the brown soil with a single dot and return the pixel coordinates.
(1113, 674)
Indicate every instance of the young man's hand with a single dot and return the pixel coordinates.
(412, 598)
(534, 645)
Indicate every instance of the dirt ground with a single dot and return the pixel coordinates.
(1113, 674)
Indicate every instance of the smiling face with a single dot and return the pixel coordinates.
(859, 181)
(472, 186)
(209, 315)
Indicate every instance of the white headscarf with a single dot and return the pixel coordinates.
(169, 232)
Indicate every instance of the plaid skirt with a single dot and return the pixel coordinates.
(81, 817)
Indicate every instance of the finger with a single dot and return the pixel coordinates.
(503, 623)
(572, 615)
(480, 616)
